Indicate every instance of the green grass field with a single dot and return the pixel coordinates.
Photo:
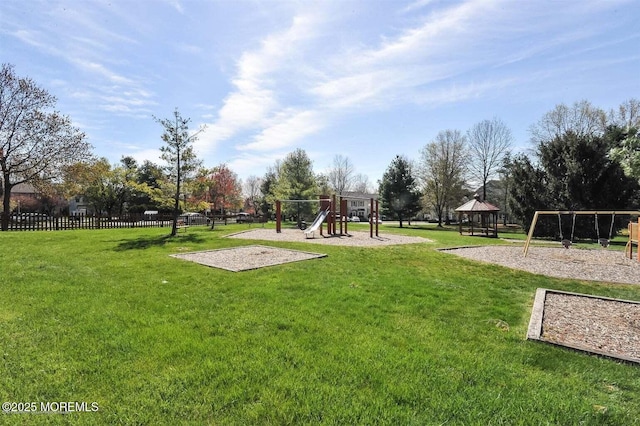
(391, 335)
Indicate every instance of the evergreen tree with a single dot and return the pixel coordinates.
(574, 173)
(398, 190)
(296, 181)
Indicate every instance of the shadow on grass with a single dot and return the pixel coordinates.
(159, 241)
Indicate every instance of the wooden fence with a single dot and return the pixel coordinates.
(50, 223)
(39, 222)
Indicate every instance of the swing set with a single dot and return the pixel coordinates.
(566, 243)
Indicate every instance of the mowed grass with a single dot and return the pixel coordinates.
(389, 335)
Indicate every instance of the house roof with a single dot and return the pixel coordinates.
(354, 194)
(476, 205)
(24, 188)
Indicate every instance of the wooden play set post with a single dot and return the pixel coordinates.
(343, 215)
(278, 217)
(371, 219)
(633, 239)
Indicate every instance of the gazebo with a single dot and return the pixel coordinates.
(487, 225)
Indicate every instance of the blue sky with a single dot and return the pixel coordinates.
(366, 79)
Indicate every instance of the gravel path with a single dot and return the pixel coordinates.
(356, 238)
(593, 265)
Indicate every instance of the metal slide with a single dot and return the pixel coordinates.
(317, 222)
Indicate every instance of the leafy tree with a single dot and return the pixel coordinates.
(398, 190)
(148, 186)
(442, 168)
(36, 143)
(151, 174)
(487, 142)
(225, 190)
(626, 150)
(267, 188)
(179, 155)
(324, 187)
(296, 181)
(106, 188)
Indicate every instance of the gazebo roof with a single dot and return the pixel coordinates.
(477, 206)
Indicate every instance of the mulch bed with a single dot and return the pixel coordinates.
(600, 325)
(247, 257)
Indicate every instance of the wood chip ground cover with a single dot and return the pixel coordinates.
(247, 257)
(604, 326)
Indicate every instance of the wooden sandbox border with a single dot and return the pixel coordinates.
(534, 331)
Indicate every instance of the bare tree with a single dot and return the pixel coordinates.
(362, 184)
(582, 118)
(36, 144)
(341, 174)
(442, 170)
(628, 114)
(253, 192)
(179, 155)
(488, 142)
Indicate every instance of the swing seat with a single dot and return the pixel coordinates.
(604, 242)
(566, 243)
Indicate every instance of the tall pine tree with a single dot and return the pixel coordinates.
(398, 190)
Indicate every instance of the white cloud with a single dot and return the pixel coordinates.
(96, 68)
(255, 104)
(140, 155)
(247, 164)
(288, 128)
(418, 4)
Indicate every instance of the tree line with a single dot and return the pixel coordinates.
(40, 146)
(581, 158)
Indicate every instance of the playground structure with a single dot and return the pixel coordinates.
(567, 242)
(333, 213)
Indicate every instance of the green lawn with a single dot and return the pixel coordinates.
(391, 335)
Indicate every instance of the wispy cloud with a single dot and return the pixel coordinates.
(353, 79)
(255, 103)
(416, 5)
(287, 129)
(90, 49)
(246, 163)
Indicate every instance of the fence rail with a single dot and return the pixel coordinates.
(50, 223)
(40, 222)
